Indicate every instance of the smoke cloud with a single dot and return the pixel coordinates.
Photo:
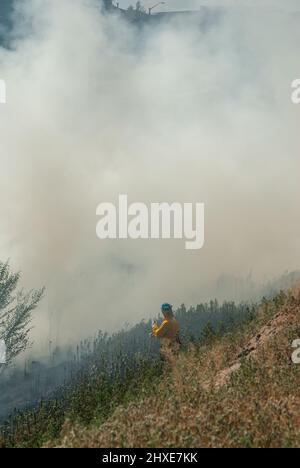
(170, 112)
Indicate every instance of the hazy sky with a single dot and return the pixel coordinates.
(172, 115)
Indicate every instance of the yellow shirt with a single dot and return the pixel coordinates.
(167, 330)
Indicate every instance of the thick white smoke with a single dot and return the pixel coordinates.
(167, 113)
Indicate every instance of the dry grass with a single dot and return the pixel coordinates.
(241, 390)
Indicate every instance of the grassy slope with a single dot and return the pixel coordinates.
(237, 389)
(90, 401)
(233, 391)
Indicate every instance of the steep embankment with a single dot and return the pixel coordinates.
(238, 390)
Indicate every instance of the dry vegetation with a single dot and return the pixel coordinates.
(240, 390)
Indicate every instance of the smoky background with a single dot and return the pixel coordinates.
(174, 111)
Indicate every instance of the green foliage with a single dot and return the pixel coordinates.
(115, 370)
(15, 312)
(91, 399)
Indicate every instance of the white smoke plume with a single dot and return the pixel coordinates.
(96, 107)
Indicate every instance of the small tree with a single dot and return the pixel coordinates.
(15, 312)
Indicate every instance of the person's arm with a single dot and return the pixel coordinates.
(159, 331)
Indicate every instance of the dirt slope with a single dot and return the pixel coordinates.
(272, 328)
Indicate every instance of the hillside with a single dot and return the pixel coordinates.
(232, 384)
(238, 390)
